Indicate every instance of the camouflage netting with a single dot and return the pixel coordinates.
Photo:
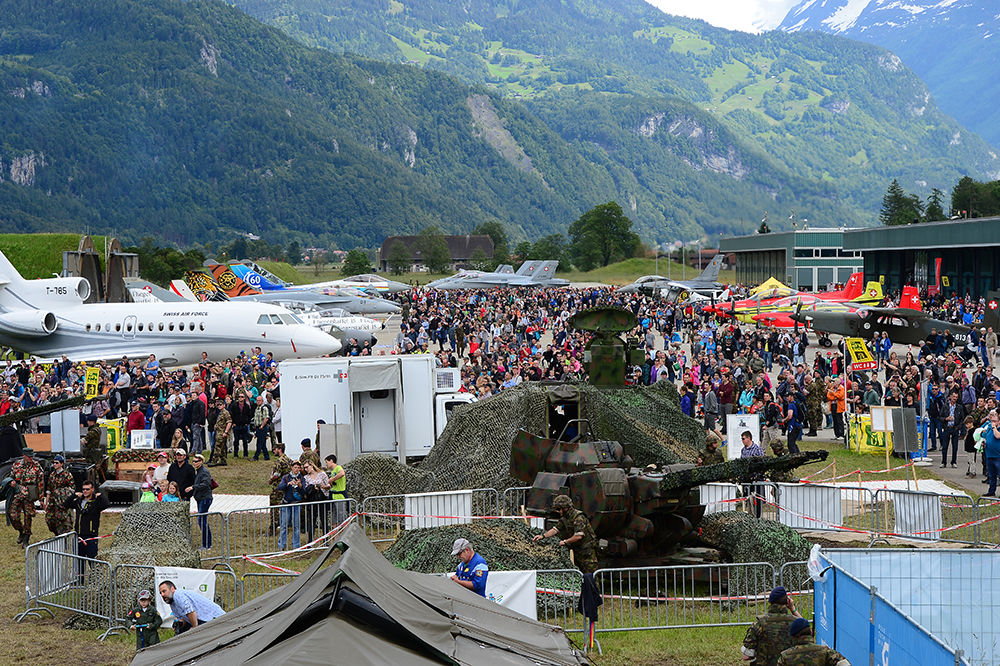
(150, 534)
(505, 544)
(474, 449)
(745, 538)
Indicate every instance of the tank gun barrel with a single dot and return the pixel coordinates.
(742, 469)
(13, 418)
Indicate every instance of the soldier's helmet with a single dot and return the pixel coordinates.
(562, 502)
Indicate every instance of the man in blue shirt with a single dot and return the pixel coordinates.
(188, 608)
(991, 449)
(472, 570)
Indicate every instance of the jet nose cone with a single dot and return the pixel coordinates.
(309, 342)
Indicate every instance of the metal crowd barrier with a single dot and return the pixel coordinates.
(700, 595)
(79, 584)
(557, 593)
(254, 585)
(216, 547)
(257, 531)
(926, 516)
(988, 533)
(385, 516)
(36, 586)
(512, 500)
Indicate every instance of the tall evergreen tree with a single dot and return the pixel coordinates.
(898, 207)
(398, 258)
(934, 210)
(434, 249)
(355, 263)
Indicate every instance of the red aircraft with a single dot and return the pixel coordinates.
(910, 298)
(767, 299)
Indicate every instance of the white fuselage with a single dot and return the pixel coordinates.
(177, 333)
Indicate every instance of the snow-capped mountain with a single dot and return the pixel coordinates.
(953, 45)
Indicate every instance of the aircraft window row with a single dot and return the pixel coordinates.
(141, 327)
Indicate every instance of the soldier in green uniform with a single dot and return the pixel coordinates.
(92, 448)
(308, 455)
(58, 491)
(815, 397)
(146, 621)
(768, 636)
(805, 652)
(29, 481)
(711, 455)
(576, 533)
(282, 466)
(779, 475)
(223, 436)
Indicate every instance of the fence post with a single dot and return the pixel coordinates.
(871, 626)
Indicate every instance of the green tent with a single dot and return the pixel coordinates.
(362, 610)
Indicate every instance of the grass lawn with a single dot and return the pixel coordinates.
(40, 255)
(671, 647)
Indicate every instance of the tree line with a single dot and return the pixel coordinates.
(969, 198)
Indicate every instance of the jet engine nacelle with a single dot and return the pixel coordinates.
(71, 290)
(28, 323)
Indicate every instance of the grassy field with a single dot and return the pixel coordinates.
(40, 255)
(620, 273)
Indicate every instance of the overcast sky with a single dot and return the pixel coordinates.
(746, 15)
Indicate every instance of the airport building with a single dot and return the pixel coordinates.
(808, 259)
(957, 256)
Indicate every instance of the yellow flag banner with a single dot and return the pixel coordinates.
(116, 433)
(861, 358)
(864, 440)
(92, 383)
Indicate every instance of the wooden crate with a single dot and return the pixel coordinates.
(130, 471)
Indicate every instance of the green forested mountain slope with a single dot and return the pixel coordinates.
(831, 110)
(191, 121)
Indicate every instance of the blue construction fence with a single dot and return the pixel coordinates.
(909, 607)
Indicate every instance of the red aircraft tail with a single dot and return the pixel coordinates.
(854, 287)
(910, 298)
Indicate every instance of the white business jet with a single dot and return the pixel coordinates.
(47, 318)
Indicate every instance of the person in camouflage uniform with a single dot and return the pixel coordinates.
(768, 636)
(58, 491)
(805, 652)
(779, 475)
(282, 466)
(223, 436)
(92, 448)
(711, 455)
(308, 455)
(30, 481)
(576, 533)
(815, 397)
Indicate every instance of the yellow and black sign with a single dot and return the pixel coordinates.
(92, 383)
(861, 358)
(945, 281)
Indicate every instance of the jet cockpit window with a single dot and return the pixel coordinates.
(275, 319)
(289, 319)
(263, 320)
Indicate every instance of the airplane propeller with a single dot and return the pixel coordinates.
(798, 309)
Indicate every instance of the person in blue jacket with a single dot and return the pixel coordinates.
(472, 571)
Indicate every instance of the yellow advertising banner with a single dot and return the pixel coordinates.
(92, 383)
(115, 429)
(864, 440)
(861, 358)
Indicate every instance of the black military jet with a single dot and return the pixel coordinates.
(903, 325)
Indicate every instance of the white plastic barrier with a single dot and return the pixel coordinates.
(714, 496)
(809, 507)
(437, 509)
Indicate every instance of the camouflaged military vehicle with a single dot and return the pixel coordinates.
(606, 355)
(634, 511)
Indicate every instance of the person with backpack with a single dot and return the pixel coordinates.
(793, 421)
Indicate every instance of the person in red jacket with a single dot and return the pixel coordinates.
(136, 420)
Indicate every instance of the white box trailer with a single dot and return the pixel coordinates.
(396, 405)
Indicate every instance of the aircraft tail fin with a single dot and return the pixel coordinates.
(204, 286)
(872, 295)
(910, 298)
(9, 276)
(180, 288)
(505, 268)
(254, 279)
(711, 272)
(228, 283)
(528, 268)
(854, 285)
(546, 270)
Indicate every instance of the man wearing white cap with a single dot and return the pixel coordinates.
(472, 570)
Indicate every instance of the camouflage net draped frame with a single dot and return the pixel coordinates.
(474, 449)
(745, 538)
(150, 534)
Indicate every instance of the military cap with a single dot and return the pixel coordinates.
(562, 502)
(798, 626)
(777, 595)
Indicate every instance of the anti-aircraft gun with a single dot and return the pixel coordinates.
(606, 355)
(634, 511)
